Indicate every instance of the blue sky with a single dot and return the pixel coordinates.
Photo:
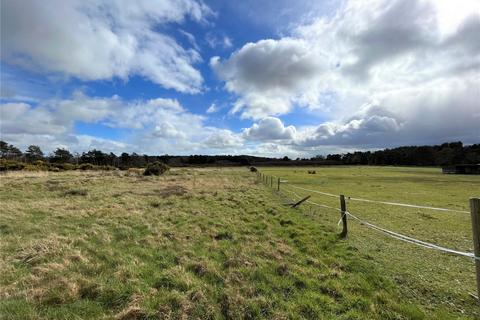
(246, 77)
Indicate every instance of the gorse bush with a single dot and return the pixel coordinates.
(39, 165)
(156, 169)
(86, 166)
(10, 165)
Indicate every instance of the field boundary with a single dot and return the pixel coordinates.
(344, 213)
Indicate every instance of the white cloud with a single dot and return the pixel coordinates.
(446, 110)
(95, 40)
(191, 39)
(215, 40)
(269, 128)
(380, 72)
(269, 75)
(167, 130)
(213, 108)
(227, 42)
(155, 125)
(222, 139)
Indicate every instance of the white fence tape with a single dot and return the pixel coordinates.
(406, 205)
(311, 202)
(405, 238)
(390, 233)
(381, 202)
(314, 191)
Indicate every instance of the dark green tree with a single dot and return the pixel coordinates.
(61, 155)
(33, 153)
(3, 149)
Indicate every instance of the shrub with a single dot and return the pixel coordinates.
(156, 169)
(64, 166)
(86, 166)
(253, 169)
(8, 165)
(106, 168)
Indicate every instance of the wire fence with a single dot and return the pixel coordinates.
(284, 186)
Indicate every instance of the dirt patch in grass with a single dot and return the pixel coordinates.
(75, 192)
(224, 235)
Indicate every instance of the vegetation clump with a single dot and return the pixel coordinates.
(9, 165)
(156, 169)
(253, 169)
(76, 192)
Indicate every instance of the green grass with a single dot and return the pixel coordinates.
(215, 244)
(437, 280)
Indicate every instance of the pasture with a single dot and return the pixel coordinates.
(218, 244)
(436, 279)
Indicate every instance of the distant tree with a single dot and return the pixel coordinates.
(4, 149)
(33, 153)
(334, 157)
(15, 152)
(95, 157)
(9, 151)
(61, 155)
(318, 157)
(286, 158)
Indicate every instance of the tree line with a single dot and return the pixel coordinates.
(438, 155)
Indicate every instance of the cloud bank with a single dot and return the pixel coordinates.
(399, 72)
(101, 40)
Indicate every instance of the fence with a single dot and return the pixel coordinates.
(344, 214)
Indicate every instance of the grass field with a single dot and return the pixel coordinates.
(437, 280)
(216, 244)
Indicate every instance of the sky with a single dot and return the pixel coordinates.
(270, 78)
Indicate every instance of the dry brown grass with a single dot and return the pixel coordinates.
(42, 249)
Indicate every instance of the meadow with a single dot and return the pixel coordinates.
(219, 244)
(436, 279)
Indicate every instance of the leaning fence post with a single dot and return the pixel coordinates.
(475, 213)
(343, 215)
(278, 184)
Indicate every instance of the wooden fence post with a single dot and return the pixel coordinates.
(278, 184)
(475, 213)
(343, 215)
(271, 182)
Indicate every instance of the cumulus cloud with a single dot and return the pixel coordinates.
(167, 130)
(381, 72)
(269, 128)
(222, 139)
(96, 40)
(155, 125)
(446, 110)
(268, 75)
